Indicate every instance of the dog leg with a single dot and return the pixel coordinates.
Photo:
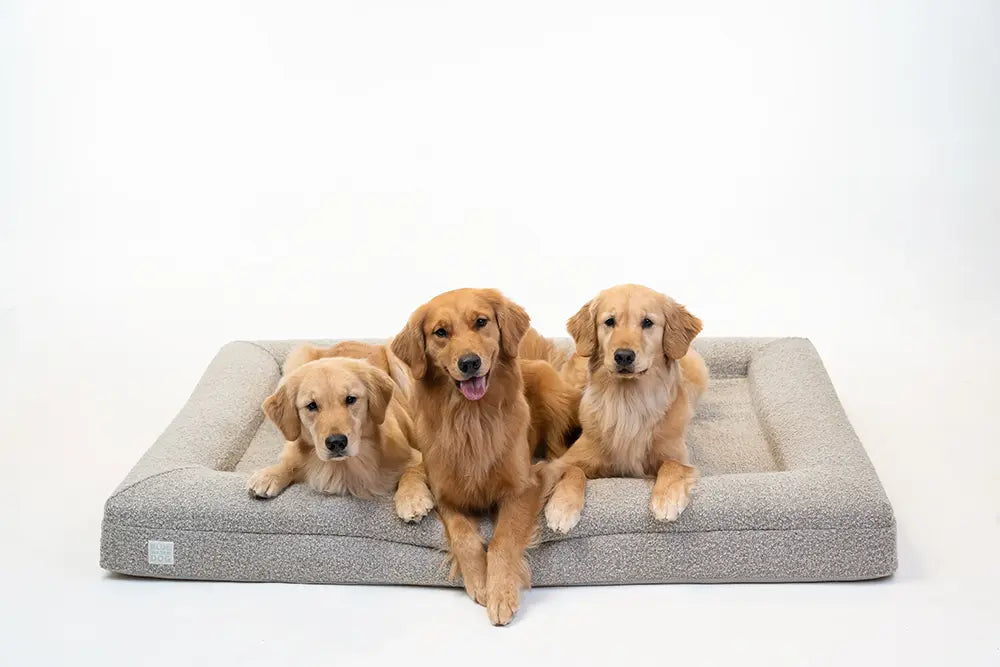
(507, 570)
(272, 480)
(555, 442)
(413, 497)
(563, 510)
(672, 490)
(466, 546)
(582, 461)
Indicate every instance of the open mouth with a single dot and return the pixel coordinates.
(629, 373)
(474, 388)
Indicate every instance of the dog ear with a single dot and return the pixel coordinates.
(280, 408)
(409, 345)
(379, 388)
(679, 330)
(512, 320)
(583, 330)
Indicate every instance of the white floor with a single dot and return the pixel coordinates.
(174, 176)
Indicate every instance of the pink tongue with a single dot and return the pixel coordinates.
(473, 389)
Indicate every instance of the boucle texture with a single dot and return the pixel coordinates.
(787, 493)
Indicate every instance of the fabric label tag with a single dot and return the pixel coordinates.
(160, 553)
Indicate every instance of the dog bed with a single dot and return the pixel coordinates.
(787, 493)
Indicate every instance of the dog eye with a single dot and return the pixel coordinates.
(481, 322)
(440, 332)
(312, 407)
(646, 323)
(610, 322)
(351, 399)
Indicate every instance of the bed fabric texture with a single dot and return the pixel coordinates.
(787, 494)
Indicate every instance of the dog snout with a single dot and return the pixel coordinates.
(469, 364)
(624, 357)
(336, 443)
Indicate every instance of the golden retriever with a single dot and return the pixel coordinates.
(472, 424)
(347, 428)
(643, 380)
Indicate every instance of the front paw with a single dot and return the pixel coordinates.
(412, 505)
(562, 512)
(668, 504)
(503, 599)
(266, 483)
(475, 586)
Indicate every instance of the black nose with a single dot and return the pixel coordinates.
(469, 363)
(336, 443)
(624, 357)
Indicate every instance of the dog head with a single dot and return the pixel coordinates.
(462, 334)
(628, 329)
(330, 404)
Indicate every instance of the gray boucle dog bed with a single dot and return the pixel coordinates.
(787, 494)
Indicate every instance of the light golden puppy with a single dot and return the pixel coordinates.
(347, 431)
(642, 381)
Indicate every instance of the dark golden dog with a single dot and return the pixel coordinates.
(472, 424)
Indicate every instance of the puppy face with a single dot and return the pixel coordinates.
(330, 404)
(462, 335)
(630, 328)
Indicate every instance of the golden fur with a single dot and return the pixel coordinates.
(379, 356)
(536, 346)
(311, 403)
(633, 416)
(552, 400)
(476, 450)
(554, 407)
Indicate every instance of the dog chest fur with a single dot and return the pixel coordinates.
(625, 412)
(471, 448)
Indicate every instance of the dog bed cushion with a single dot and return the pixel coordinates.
(787, 493)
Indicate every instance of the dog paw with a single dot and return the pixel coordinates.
(266, 483)
(412, 506)
(562, 512)
(669, 504)
(472, 570)
(475, 586)
(502, 601)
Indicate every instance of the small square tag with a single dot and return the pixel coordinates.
(160, 553)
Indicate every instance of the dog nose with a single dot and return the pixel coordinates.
(469, 363)
(624, 357)
(336, 443)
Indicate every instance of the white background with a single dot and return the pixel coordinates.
(177, 175)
